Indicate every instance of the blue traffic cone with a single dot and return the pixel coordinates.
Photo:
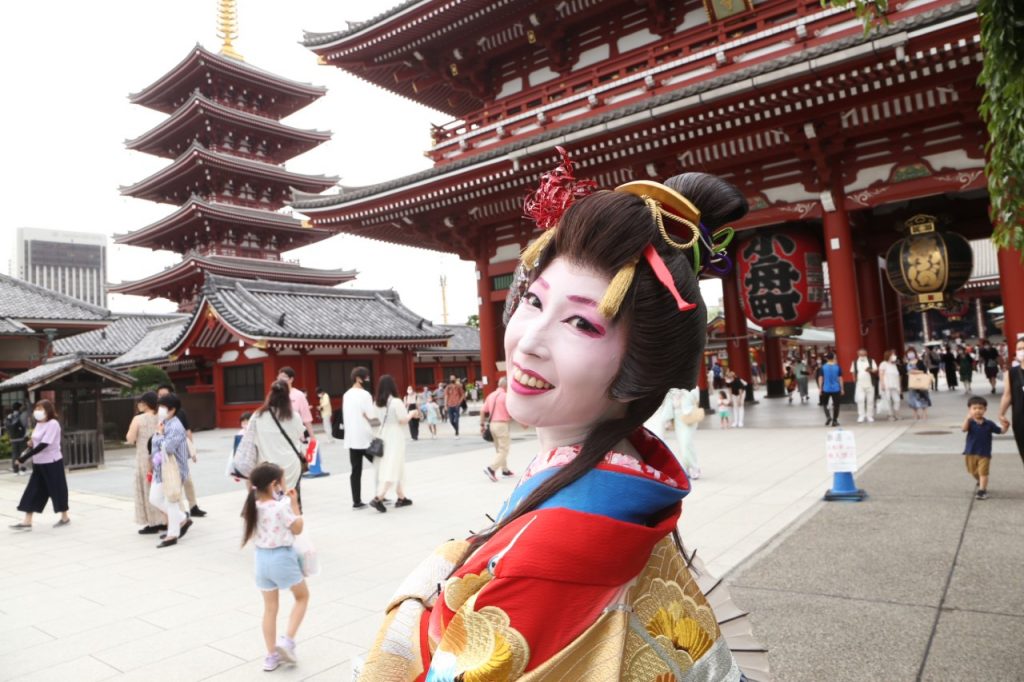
(315, 460)
(844, 488)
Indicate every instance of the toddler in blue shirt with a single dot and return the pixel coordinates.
(978, 448)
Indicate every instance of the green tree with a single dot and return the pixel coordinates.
(5, 446)
(473, 321)
(147, 378)
(1002, 105)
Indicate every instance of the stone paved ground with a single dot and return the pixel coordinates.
(96, 601)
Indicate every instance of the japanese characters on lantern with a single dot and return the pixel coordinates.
(781, 279)
(929, 264)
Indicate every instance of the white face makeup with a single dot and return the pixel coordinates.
(562, 355)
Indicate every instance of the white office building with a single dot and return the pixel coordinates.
(71, 263)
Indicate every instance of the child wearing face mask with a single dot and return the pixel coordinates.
(48, 481)
(272, 520)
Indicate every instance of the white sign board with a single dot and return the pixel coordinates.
(840, 451)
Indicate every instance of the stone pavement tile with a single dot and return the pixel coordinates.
(945, 475)
(126, 656)
(176, 616)
(16, 638)
(870, 548)
(198, 663)
(811, 638)
(360, 632)
(338, 673)
(316, 654)
(976, 646)
(83, 669)
(994, 540)
(85, 643)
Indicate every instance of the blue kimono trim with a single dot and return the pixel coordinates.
(619, 496)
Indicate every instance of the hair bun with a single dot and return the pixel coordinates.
(719, 200)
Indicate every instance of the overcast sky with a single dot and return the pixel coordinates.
(69, 66)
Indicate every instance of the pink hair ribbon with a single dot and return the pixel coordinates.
(665, 277)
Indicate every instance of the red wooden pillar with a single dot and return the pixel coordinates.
(773, 367)
(843, 288)
(893, 319)
(872, 312)
(736, 343)
(1011, 287)
(489, 336)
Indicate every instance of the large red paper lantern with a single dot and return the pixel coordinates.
(782, 280)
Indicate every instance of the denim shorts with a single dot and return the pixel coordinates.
(277, 569)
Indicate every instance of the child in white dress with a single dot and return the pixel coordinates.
(272, 520)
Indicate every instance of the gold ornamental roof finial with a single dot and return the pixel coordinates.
(227, 28)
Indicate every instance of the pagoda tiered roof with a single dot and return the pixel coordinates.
(199, 222)
(191, 122)
(215, 75)
(176, 182)
(188, 274)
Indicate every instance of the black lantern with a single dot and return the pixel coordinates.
(929, 265)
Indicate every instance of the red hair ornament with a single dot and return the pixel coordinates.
(559, 188)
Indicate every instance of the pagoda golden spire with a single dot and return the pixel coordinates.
(227, 28)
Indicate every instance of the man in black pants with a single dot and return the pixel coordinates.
(16, 428)
(358, 412)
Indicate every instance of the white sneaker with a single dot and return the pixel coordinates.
(871, 419)
(286, 649)
(860, 420)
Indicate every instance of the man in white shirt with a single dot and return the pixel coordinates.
(357, 410)
(863, 370)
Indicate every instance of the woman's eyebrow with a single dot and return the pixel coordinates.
(543, 282)
(584, 300)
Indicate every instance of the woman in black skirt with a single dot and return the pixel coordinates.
(1013, 397)
(47, 481)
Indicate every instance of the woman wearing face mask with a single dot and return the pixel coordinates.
(169, 441)
(582, 576)
(889, 384)
(48, 481)
(276, 432)
(142, 428)
(909, 360)
(919, 400)
(1013, 397)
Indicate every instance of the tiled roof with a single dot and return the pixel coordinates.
(232, 266)
(200, 54)
(55, 368)
(465, 340)
(273, 310)
(20, 300)
(305, 200)
(152, 347)
(9, 327)
(119, 337)
(311, 39)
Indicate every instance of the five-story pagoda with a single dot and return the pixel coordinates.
(228, 146)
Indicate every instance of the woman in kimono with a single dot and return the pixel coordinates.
(582, 576)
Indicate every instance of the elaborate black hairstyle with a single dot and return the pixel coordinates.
(609, 232)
